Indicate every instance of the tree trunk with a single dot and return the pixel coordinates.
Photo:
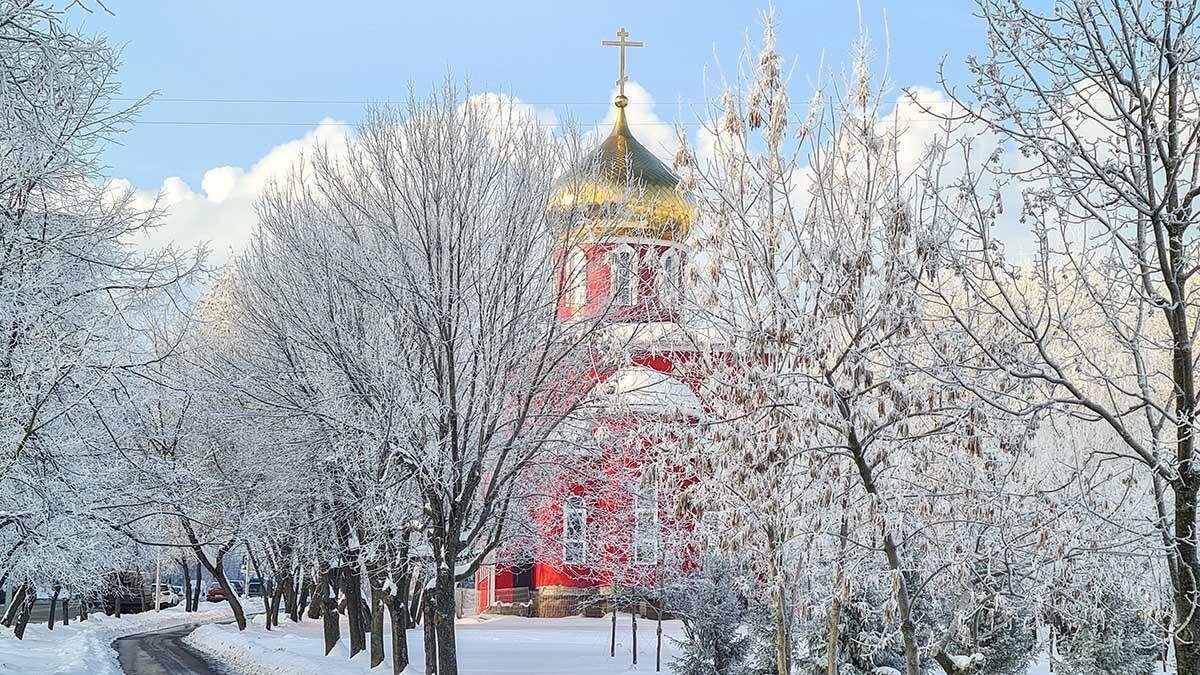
(15, 603)
(947, 664)
(235, 604)
(302, 601)
(352, 590)
(430, 631)
(319, 592)
(290, 596)
(416, 602)
(398, 610)
(276, 600)
(835, 609)
(447, 650)
(23, 615)
(66, 611)
(53, 607)
(187, 587)
(1187, 618)
(266, 592)
(329, 620)
(376, 624)
(783, 645)
(908, 631)
(216, 567)
(197, 591)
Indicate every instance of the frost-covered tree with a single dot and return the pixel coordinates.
(713, 614)
(1093, 105)
(832, 431)
(78, 301)
(409, 284)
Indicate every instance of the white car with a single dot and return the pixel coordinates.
(168, 597)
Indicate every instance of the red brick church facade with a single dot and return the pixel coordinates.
(605, 519)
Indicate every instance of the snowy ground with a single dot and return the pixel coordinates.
(85, 647)
(488, 645)
(501, 645)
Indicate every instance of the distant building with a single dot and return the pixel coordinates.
(602, 520)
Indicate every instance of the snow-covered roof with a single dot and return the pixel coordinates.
(643, 390)
(663, 336)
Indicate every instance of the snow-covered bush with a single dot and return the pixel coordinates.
(1001, 643)
(713, 613)
(1116, 639)
(863, 640)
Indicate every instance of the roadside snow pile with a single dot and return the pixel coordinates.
(85, 647)
(486, 646)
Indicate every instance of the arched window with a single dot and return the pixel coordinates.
(622, 263)
(577, 277)
(645, 533)
(574, 527)
(667, 281)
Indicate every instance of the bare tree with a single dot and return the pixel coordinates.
(434, 342)
(78, 299)
(1093, 105)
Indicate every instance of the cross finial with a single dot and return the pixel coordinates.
(621, 43)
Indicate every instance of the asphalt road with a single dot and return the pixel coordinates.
(41, 612)
(161, 652)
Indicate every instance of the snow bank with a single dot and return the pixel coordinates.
(85, 647)
(486, 646)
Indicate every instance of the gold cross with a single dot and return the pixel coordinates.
(622, 43)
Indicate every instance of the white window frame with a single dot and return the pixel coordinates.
(615, 267)
(577, 277)
(574, 506)
(645, 513)
(669, 277)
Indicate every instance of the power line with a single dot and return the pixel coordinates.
(342, 101)
(362, 102)
(217, 123)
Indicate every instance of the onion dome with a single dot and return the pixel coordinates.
(626, 191)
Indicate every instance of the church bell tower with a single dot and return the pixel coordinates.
(624, 254)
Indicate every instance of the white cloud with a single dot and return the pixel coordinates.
(221, 215)
(505, 109)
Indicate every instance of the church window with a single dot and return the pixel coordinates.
(577, 278)
(623, 269)
(574, 525)
(667, 281)
(645, 535)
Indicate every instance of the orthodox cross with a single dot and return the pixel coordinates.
(622, 43)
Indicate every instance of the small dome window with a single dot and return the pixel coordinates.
(623, 271)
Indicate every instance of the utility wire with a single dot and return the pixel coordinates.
(335, 101)
(350, 124)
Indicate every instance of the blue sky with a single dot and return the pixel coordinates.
(545, 52)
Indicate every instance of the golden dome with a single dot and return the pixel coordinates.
(627, 192)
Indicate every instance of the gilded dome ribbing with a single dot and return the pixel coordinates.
(626, 191)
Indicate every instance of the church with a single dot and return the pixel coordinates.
(602, 524)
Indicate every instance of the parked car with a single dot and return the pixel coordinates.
(215, 593)
(168, 597)
(256, 586)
